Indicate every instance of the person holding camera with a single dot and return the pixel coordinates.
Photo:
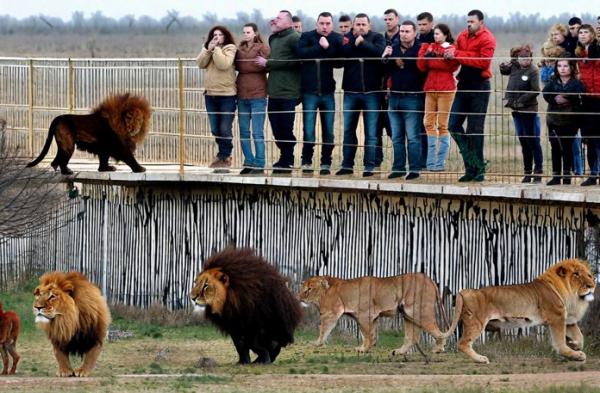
(217, 58)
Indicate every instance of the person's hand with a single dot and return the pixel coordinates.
(506, 64)
(213, 43)
(449, 53)
(359, 40)
(560, 99)
(387, 51)
(260, 61)
(324, 43)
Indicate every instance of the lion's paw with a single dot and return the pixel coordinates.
(318, 343)
(361, 349)
(481, 359)
(80, 372)
(578, 356)
(65, 373)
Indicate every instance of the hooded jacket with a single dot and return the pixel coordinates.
(283, 65)
(440, 71)
(220, 71)
(523, 86)
(252, 78)
(474, 52)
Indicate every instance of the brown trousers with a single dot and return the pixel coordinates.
(437, 110)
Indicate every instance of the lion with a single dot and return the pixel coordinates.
(248, 299)
(9, 332)
(558, 299)
(113, 129)
(365, 299)
(75, 316)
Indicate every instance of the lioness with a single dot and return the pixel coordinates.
(558, 299)
(365, 299)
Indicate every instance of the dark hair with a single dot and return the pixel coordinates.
(409, 23)
(580, 49)
(390, 11)
(258, 38)
(289, 14)
(445, 29)
(345, 18)
(425, 15)
(572, 66)
(476, 13)
(362, 15)
(574, 21)
(228, 37)
(296, 19)
(325, 15)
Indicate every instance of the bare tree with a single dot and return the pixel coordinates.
(29, 197)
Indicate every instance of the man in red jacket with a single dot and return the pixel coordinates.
(474, 50)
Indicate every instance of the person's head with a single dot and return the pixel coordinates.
(408, 32)
(362, 24)
(586, 35)
(522, 54)
(222, 34)
(552, 51)
(391, 19)
(441, 34)
(344, 24)
(565, 68)
(474, 21)
(325, 23)
(250, 33)
(574, 25)
(282, 21)
(558, 33)
(297, 23)
(598, 26)
(424, 23)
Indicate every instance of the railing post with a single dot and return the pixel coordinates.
(30, 104)
(71, 87)
(181, 118)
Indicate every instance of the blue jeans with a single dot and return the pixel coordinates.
(527, 126)
(354, 104)
(221, 111)
(326, 106)
(577, 156)
(406, 119)
(282, 112)
(471, 106)
(252, 111)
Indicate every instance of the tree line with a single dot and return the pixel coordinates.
(174, 23)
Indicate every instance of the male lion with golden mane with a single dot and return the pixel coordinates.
(113, 129)
(558, 299)
(248, 299)
(365, 299)
(75, 317)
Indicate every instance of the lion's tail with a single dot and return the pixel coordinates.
(457, 313)
(51, 133)
(441, 307)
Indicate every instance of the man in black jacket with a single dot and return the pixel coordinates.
(362, 50)
(319, 47)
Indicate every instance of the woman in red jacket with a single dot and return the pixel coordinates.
(588, 50)
(440, 88)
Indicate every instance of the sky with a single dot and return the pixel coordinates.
(197, 8)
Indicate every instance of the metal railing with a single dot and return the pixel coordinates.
(33, 91)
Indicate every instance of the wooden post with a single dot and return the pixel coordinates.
(71, 87)
(181, 118)
(30, 105)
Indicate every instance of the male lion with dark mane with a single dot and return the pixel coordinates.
(558, 299)
(113, 129)
(365, 299)
(248, 299)
(75, 317)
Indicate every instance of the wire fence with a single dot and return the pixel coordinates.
(34, 91)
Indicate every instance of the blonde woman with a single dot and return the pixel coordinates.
(217, 58)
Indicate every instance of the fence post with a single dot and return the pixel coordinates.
(181, 118)
(71, 88)
(30, 114)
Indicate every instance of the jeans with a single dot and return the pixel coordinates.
(529, 138)
(326, 106)
(282, 112)
(383, 123)
(472, 107)
(406, 119)
(221, 111)
(252, 111)
(561, 143)
(354, 104)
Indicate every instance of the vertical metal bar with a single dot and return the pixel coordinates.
(181, 118)
(71, 89)
(104, 244)
(30, 104)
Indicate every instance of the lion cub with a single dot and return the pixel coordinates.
(9, 331)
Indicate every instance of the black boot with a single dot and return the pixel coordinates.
(527, 178)
(566, 178)
(537, 176)
(554, 181)
(590, 181)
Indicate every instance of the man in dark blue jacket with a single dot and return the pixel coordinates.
(362, 50)
(319, 47)
(406, 102)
